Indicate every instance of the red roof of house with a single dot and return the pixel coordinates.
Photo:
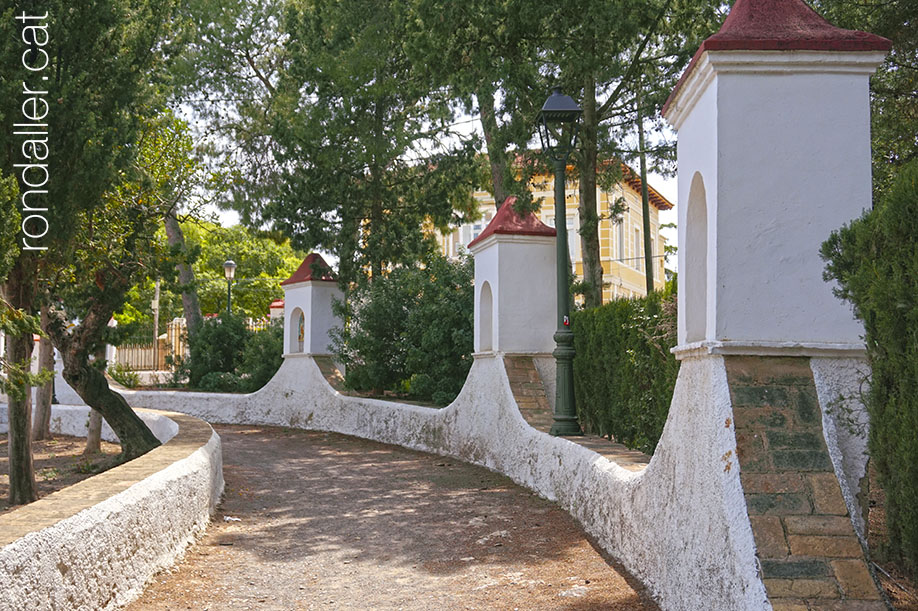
(313, 268)
(633, 180)
(780, 25)
(508, 221)
(277, 303)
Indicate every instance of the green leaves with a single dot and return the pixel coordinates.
(17, 378)
(411, 331)
(624, 373)
(894, 87)
(875, 262)
(363, 140)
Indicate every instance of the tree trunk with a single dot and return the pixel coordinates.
(41, 424)
(94, 432)
(191, 307)
(19, 406)
(89, 381)
(497, 155)
(645, 200)
(589, 219)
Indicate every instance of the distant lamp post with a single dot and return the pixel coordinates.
(558, 124)
(229, 270)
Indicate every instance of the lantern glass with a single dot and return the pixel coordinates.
(559, 121)
(229, 269)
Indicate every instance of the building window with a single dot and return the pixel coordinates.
(638, 251)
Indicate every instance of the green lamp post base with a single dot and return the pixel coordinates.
(565, 414)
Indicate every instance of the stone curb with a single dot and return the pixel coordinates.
(95, 544)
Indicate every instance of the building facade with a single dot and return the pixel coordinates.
(621, 240)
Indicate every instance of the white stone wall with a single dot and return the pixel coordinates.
(782, 143)
(842, 386)
(314, 299)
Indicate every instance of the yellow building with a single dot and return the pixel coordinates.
(621, 241)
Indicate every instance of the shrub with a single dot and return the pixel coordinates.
(624, 372)
(262, 356)
(411, 330)
(124, 375)
(875, 261)
(216, 347)
(221, 381)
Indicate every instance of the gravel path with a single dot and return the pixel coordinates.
(323, 521)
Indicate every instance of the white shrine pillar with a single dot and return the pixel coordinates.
(515, 298)
(773, 120)
(308, 317)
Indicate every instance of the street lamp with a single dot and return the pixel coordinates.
(229, 270)
(558, 124)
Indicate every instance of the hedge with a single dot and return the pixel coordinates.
(875, 261)
(624, 372)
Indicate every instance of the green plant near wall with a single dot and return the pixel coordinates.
(875, 262)
(624, 372)
(411, 330)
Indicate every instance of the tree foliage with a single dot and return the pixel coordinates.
(263, 261)
(894, 88)
(104, 74)
(362, 141)
(875, 262)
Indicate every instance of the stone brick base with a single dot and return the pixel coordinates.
(330, 371)
(810, 556)
(528, 391)
(529, 394)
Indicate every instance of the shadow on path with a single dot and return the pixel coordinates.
(321, 520)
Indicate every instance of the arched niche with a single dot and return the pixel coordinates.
(485, 318)
(297, 334)
(696, 262)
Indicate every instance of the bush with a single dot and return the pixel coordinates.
(875, 261)
(624, 372)
(226, 357)
(262, 356)
(411, 331)
(124, 375)
(221, 381)
(216, 347)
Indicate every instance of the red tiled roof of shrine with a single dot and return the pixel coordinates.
(313, 268)
(780, 25)
(508, 221)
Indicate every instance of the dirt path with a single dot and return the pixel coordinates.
(324, 521)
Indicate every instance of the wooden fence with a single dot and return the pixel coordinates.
(150, 357)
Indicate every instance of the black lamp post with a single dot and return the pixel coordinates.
(229, 270)
(558, 124)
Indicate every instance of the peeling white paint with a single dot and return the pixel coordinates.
(842, 386)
